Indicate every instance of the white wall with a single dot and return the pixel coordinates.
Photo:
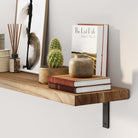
(26, 116)
(7, 9)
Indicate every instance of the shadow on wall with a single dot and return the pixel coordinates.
(116, 74)
(114, 61)
(134, 96)
(127, 109)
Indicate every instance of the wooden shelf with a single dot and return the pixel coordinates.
(28, 83)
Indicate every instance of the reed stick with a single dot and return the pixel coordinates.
(11, 33)
(16, 12)
(19, 37)
(14, 34)
(16, 47)
(9, 29)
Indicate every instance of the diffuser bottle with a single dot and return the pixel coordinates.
(14, 63)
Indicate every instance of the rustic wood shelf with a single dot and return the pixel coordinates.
(28, 83)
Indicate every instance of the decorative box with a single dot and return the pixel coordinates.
(2, 41)
(4, 60)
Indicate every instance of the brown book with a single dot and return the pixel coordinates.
(80, 89)
(78, 82)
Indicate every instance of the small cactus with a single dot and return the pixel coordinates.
(55, 44)
(55, 59)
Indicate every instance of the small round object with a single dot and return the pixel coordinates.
(81, 67)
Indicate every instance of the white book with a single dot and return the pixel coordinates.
(79, 82)
(92, 82)
(105, 50)
(88, 39)
(85, 38)
(93, 88)
(84, 89)
(92, 40)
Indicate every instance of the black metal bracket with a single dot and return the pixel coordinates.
(106, 115)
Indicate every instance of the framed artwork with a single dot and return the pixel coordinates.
(32, 14)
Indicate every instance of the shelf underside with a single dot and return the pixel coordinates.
(28, 83)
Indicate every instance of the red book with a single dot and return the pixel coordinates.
(78, 82)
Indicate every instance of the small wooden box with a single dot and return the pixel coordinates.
(2, 41)
(4, 60)
(44, 72)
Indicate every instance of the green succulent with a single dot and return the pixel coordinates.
(55, 59)
(55, 44)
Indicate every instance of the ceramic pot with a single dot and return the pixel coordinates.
(44, 72)
(81, 67)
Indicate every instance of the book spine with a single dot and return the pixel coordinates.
(60, 81)
(61, 87)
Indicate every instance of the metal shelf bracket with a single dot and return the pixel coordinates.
(106, 115)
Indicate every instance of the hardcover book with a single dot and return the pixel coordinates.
(78, 82)
(80, 89)
(91, 40)
(87, 39)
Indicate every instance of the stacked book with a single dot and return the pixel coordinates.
(79, 85)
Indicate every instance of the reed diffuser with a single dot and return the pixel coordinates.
(14, 34)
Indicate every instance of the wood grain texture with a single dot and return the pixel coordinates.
(28, 83)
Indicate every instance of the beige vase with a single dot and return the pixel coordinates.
(81, 67)
(44, 72)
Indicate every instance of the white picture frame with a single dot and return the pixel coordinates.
(39, 27)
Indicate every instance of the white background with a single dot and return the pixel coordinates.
(25, 116)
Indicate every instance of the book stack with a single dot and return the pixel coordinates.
(79, 85)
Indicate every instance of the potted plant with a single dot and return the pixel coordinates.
(55, 62)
